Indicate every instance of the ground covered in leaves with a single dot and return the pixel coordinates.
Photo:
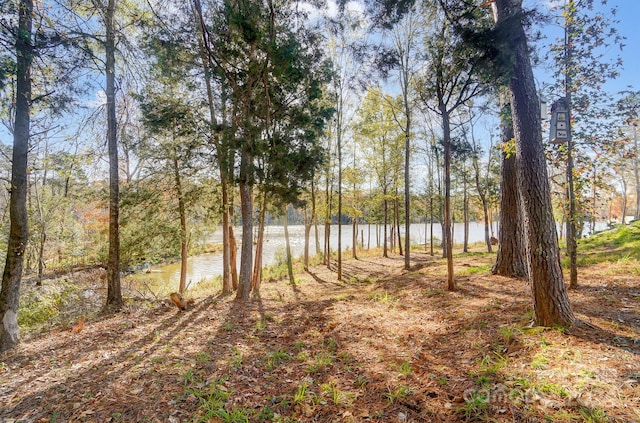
(383, 345)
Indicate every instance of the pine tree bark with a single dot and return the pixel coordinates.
(233, 252)
(114, 291)
(550, 298)
(510, 260)
(246, 252)
(19, 229)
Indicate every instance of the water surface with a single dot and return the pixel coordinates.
(208, 266)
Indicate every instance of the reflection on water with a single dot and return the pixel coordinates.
(199, 268)
(207, 266)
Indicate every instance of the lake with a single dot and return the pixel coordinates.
(207, 266)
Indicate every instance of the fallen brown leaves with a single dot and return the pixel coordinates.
(383, 345)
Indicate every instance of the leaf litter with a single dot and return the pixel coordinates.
(385, 344)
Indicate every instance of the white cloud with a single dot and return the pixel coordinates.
(331, 10)
(355, 8)
(99, 100)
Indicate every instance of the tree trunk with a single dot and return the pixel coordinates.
(205, 53)
(623, 183)
(354, 223)
(636, 172)
(453, 224)
(610, 211)
(426, 222)
(228, 255)
(396, 211)
(368, 236)
(316, 236)
(385, 248)
(511, 259)
(551, 302)
(246, 207)
(465, 215)
(184, 246)
(233, 256)
(354, 236)
(392, 235)
(307, 235)
(246, 254)
(314, 216)
(446, 230)
(327, 223)
(339, 200)
(487, 223)
(114, 291)
(594, 195)
(407, 193)
(233, 245)
(491, 221)
(431, 225)
(327, 244)
(441, 209)
(314, 219)
(19, 230)
(483, 199)
(43, 234)
(287, 242)
(572, 246)
(257, 265)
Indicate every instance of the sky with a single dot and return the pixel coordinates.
(629, 16)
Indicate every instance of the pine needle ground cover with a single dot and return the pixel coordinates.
(383, 345)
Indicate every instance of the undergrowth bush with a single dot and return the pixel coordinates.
(45, 304)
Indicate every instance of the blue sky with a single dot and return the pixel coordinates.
(629, 27)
